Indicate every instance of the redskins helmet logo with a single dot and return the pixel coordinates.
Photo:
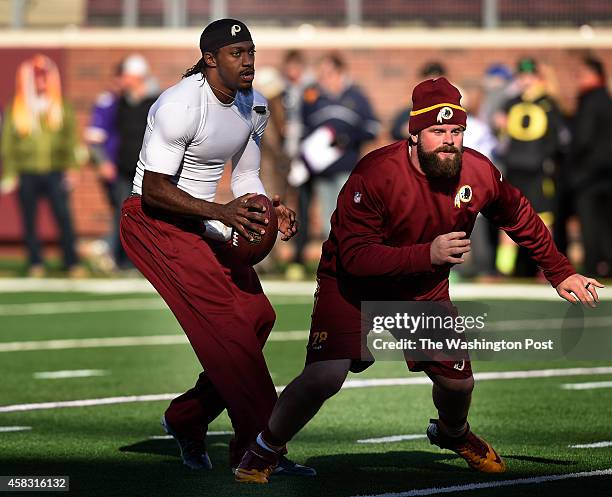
(464, 194)
(445, 114)
(235, 29)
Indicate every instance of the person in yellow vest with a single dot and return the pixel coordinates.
(38, 148)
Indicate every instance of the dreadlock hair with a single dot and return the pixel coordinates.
(199, 66)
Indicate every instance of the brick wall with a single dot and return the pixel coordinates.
(387, 76)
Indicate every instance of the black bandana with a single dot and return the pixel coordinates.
(223, 32)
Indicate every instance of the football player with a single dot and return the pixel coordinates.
(402, 220)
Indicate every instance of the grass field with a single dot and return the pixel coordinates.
(118, 449)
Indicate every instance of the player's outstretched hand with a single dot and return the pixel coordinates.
(244, 215)
(582, 288)
(449, 248)
(287, 224)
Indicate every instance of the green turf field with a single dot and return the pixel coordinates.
(109, 450)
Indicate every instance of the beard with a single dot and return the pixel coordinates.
(434, 167)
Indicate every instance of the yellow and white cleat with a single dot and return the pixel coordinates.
(256, 465)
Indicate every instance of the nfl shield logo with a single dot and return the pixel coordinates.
(357, 197)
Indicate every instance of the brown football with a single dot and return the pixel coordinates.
(243, 252)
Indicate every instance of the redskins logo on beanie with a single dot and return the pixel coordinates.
(223, 32)
(435, 101)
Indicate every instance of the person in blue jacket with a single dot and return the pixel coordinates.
(337, 120)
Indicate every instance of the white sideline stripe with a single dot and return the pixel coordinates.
(595, 445)
(392, 438)
(459, 291)
(587, 386)
(492, 484)
(87, 343)
(73, 373)
(376, 382)
(210, 434)
(7, 429)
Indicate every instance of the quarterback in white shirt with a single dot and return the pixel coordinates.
(210, 117)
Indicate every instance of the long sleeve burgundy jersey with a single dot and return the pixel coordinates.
(389, 213)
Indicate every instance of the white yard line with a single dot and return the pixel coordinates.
(587, 386)
(459, 291)
(109, 305)
(72, 373)
(88, 402)
(529, 325)
(81, 307)
(7, 429)
(596, 445)
(492, 484)
(91, 343)
(352, 383)
(210, 434)
(391, 439)
(282, 336)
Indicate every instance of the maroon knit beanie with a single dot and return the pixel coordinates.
(435, 101)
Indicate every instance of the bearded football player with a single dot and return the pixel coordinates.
(402, 221)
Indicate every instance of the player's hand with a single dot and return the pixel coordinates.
(449, 248)
(244, 215)
(287, 224)
(582, 288)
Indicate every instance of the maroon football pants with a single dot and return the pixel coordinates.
(225, 315)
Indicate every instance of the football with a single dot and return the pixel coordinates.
(244, 252)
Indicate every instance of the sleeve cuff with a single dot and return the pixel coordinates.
(556, 279)
(419, 258)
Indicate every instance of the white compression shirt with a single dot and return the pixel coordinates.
(190, 136)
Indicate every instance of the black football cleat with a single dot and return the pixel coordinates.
(193, 452)
(287, 467)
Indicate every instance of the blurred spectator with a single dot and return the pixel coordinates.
(297, 78)
(535, 133)
(102, 137)
(591, 174)
(139, 92)
(274, 161)
(399, 128)
(498, 88)
(479, 136)
(337, 120)
(39, 148)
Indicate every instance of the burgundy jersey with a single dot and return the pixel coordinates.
(388, 214)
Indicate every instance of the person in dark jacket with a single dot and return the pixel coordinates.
(337, 120)
(140, 90)
(591, 175)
